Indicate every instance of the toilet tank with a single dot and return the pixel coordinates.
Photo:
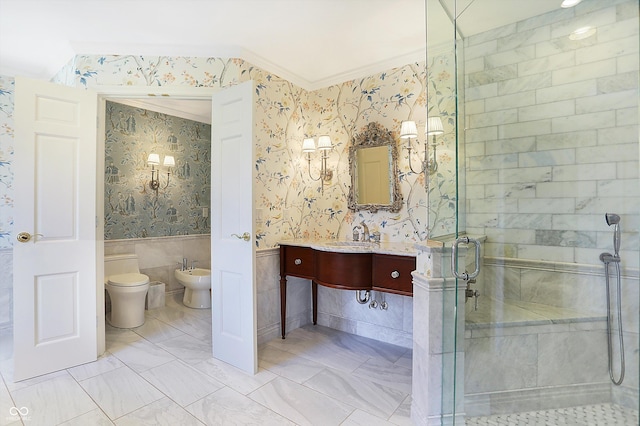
(121, 264)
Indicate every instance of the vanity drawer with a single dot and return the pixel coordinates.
(298, 261)
(393, 273)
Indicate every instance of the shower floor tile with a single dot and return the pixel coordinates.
(589, 415)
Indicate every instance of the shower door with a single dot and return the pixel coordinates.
(541, 106)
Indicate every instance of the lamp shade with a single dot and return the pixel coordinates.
(153, 160)
(324, 143)
(408, 129)
(169, 161)
(434, 126)
(308, 145)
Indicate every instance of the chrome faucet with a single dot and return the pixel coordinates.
(365, 233)
(184, 264)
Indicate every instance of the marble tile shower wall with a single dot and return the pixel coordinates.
(552, 134)
(552, 144)
(132, 209)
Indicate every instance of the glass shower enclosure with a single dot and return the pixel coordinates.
(541, 116)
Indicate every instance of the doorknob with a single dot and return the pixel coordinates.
(25, 237)
(246, 236)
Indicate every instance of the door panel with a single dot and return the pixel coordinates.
(55, 265)
(233, 292)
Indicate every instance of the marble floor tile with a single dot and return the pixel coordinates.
(119, 336)
(120, 392)
(358, 392)
(188, 348)
(94, 418)
(362, 418)
(141, 355)
(385, 373)
(234, 377)
(301, 404)
(53, 401)
(323, 350)
(163, 412)
(6, 403)
(406, 360)
(402, 416)
(228, 407)
(106, 362)
(156, 331)
(6, 344)
(188, 323)
(175, 302)
(180, 382)
(286, 364)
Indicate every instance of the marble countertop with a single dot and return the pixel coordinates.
(393, 248)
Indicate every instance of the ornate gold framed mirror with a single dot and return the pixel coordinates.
(373, 165)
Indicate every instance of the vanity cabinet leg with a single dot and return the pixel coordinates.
(314, 298)
(283, 304)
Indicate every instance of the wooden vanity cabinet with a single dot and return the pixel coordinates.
(347, 271)
(342, 270)
(298, 261)
(393, 273)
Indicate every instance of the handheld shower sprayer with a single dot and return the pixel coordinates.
(614, 219)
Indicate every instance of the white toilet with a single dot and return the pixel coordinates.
(127, 288)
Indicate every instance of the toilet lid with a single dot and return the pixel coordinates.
(128, 280)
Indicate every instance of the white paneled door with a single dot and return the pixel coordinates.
(233, 289)
(54, 253)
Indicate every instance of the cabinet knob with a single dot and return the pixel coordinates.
(395, 274)
(298, 261)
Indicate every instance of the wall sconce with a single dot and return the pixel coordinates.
(409, 130)
(153, 161)
(324, 145)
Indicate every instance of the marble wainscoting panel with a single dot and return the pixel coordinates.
(159, 257)
(572, 358)
(299, 312)
(630, 297)
(339, 309)
(499, 282)
(268, 294)
(6, 288)
(500, 363)
(627, 393)
(583, 292)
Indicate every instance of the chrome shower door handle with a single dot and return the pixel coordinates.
(454, 258)
(246, 236)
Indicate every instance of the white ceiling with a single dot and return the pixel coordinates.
(312, 43)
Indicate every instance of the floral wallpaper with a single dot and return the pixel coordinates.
(6, 157)
(132, 208)
(292, 204)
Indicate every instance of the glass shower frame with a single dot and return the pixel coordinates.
(541, 269)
